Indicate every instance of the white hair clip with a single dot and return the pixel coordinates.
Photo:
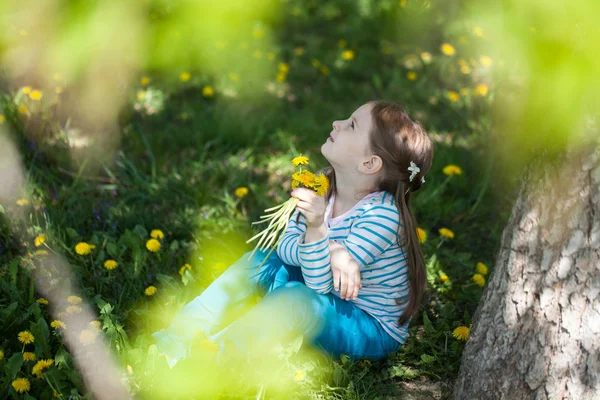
(414, 170)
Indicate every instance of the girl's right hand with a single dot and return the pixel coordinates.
(345, 271)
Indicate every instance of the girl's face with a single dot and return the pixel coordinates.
(348, 144)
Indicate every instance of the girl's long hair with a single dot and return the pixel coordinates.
(398, 140)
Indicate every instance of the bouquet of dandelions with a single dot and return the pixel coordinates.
(279, 216)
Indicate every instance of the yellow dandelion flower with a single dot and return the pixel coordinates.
(348, 54)
(74, 299)
(452, 170)
(316, 63)
(1, 354)
(426, 57)
(110, 264)
(299, 51)
(28, 356)
(241, 191)
(95, 324)
(324, 70)
(479, 280)
(465, 69)
(461, 333)
(280, 77)
(444, 277)
(39, 240)
(403, 3)
(153, 245)
(41, 366)
(83, 248)
(485, 61)
(141, 95)
(26, 89)
(283, 67)
(21, 385)
(2, 119)
(23, 109)
(447, 49)
(58, 324)
(208, 91)
(22, 202)
(445, 232)
(411, 75)
(478, 31)
(144, 81)
(150, 291)
(305, 177)
(421, 235)
(185, 76)
(25, 337)
(74, 309)
(481, 89)
(453, 96)
(87, 336)
(300, 160)
(184, 267)
(321, 184)
(482, 268)
(157, 234)
(42, 300)
(364, 362)
(300, 375)
(35, 95)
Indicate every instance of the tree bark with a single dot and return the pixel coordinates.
(536, 332)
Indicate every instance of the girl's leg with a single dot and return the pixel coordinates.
(227, 296)
(324, 320)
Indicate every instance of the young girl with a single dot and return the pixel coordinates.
(349, 274)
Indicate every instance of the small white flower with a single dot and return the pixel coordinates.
(422, 179)
(414, 170)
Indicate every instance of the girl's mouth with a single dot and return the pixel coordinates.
(330, 138)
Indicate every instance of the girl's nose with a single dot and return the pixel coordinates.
(335, 126)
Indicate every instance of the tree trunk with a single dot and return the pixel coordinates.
(536, 332)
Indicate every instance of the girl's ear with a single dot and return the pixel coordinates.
(374, 164)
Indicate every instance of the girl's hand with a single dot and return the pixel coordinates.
(311, 205)
(345, 271)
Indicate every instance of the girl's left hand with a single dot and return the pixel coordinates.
(311, 205)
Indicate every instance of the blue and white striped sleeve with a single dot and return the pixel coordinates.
(373, 232)
(313, 258)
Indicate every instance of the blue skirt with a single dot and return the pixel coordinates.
(227, 314)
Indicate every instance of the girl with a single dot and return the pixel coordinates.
(348, 274)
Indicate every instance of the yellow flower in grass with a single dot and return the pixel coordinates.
(182, 269)
(304, 177)
(479, 280)
(74, 309)
(157, 234)
(241, 191)
(321, 184)
(348, 54)
(25, 337)
(23, 109)
(422, 235)
(83, 248)
(153, 245)
(452, 170)
(477, 31)
(283, 67)
(482, 268)
(426, 57)
(26, 89)
(22, 202)
(208, 91)
(299, 51)
(300, 375)
(144, 81)
(185, 76)
(444, 278)
(453, 96)
(2, 119)
(485, 61)
(461, 333)
(87, 336)
(411, 76)
(481, 90)
(28, 356)
(445, 232)
(324, 70)
(150, 291)
(21, 385)
(57, 323)
(41, 366)
(35, 95)
(447, 49)
(74, 299)
(39, 240)
(42, 300)
(300, 160)
(110, 264)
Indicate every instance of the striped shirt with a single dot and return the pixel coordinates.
(368, 231)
